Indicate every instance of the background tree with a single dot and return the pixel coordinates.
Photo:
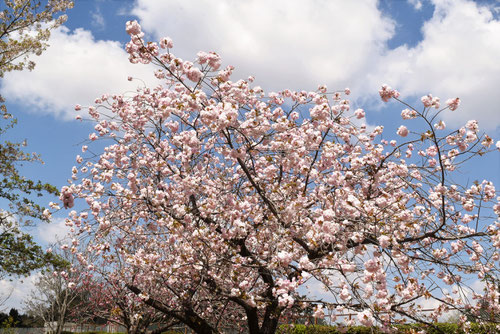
(105, 299)
(24, 30)
(220, 201)
(55, 292)
(5, 296)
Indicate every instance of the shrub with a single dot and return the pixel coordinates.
(446, 328)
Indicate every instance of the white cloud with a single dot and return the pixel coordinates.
(417, 4)
(284, 44)
(299, 44)
(458, 56)
(98, 20)
(287, 44)
(53, 232)
(75, 69)
(18, 290)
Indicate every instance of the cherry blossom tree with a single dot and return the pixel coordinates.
(222, 202)
(105, 297)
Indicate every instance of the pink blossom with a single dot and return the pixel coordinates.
(462, 145)
(487, 141)
(67, 198)
(371, 265)
(366, 318)
(344, 294)
(194, 74)
(359, 113)
(430, 101)
(46, 214)
(408, 114)
(322, 89)
(166, 43)
(133, 28)
(453, 103)
(440, 125)
(213, 60)
(468, 205)
(318, 312)
(384, 241)
(368, 291)
(402, 131)
(431, 151)
(472, 125)
(285, 257)
(386, 93)
(477, 247)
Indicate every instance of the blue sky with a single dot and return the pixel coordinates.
(444, 47)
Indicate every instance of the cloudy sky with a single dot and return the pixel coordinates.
(448, 48)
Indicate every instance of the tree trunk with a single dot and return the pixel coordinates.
(61, 320)
(270, 323)
(59, 326)
(269, 327)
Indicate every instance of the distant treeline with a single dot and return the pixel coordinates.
(18, 320)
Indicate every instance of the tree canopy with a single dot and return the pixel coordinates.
(217, 204)
(24, 31)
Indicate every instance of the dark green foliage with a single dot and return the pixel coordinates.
(14, 314)
(91, 332)
(19, 254)
(304, 329)
(18, 320)
(3, 318)
(362, 330)
(446, 328)
(449, 328)
(323, 329)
